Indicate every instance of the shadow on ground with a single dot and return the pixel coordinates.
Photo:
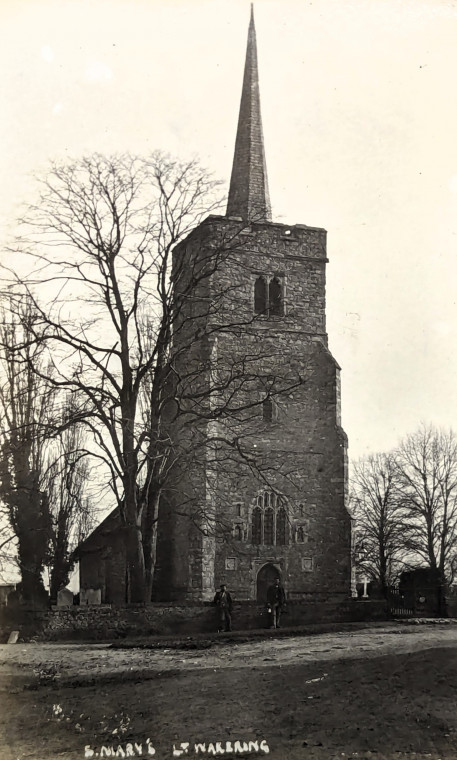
(390, 706)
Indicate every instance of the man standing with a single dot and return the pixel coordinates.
(276, 599)
(223, 602)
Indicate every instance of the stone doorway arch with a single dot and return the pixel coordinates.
(265, 578)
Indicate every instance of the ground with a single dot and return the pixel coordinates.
(384, 692)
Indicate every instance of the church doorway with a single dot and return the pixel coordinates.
(265, 578)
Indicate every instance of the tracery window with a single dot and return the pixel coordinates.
(269, 520)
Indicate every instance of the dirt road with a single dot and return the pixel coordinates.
(386, 692)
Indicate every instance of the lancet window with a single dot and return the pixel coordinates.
(260, 296)
(275, 299)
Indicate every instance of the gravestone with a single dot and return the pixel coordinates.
(90, 596)
(13, 637)
(65, 598)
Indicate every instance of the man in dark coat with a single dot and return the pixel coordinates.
(276, 599)
(223, 602)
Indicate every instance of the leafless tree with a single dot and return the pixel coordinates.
(379, 518)
(66, 484)
(427, 469)
(131, 322)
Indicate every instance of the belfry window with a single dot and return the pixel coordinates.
(269, 296)
(275, 300)
(260, 296)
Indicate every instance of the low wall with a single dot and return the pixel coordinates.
(97, 623)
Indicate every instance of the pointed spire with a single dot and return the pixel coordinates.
(248, 194)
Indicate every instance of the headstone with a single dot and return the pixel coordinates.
(64, 598)
(90, 596)
(13, 637)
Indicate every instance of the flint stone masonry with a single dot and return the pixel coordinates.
(304, 446)
(106, 623)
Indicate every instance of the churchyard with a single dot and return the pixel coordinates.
(387, 691)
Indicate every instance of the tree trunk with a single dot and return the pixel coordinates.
(135, 565)
(150, 540)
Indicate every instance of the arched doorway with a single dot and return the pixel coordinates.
(265, 578)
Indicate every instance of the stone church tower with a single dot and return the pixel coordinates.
(280, 508)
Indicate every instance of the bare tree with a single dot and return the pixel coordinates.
(65, 482)
(380, 518)
(131, 324)
(427, 470)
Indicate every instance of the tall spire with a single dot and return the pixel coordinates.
(248, 194)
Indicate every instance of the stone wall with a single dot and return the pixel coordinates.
(300, 454)
(107, 623)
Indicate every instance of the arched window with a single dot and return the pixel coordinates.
(238, 533)
(260, 296)
(275, 299)
(269, 520)
(301, 509)
(281, 527)
(256, 525)
(300, 535)
(269, 527)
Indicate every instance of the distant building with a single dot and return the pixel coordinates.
(297, 526)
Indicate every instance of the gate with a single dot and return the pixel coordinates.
(400, 605)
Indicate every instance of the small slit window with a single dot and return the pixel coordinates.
(267, 410)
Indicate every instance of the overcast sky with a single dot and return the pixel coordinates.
(360, 124)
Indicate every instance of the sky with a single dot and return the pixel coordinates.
(360, 126)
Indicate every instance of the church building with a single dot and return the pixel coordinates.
(279, 510)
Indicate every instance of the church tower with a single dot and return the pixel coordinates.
(261, 492)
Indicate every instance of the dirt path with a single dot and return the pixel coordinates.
(81, 660)
(383, 692)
